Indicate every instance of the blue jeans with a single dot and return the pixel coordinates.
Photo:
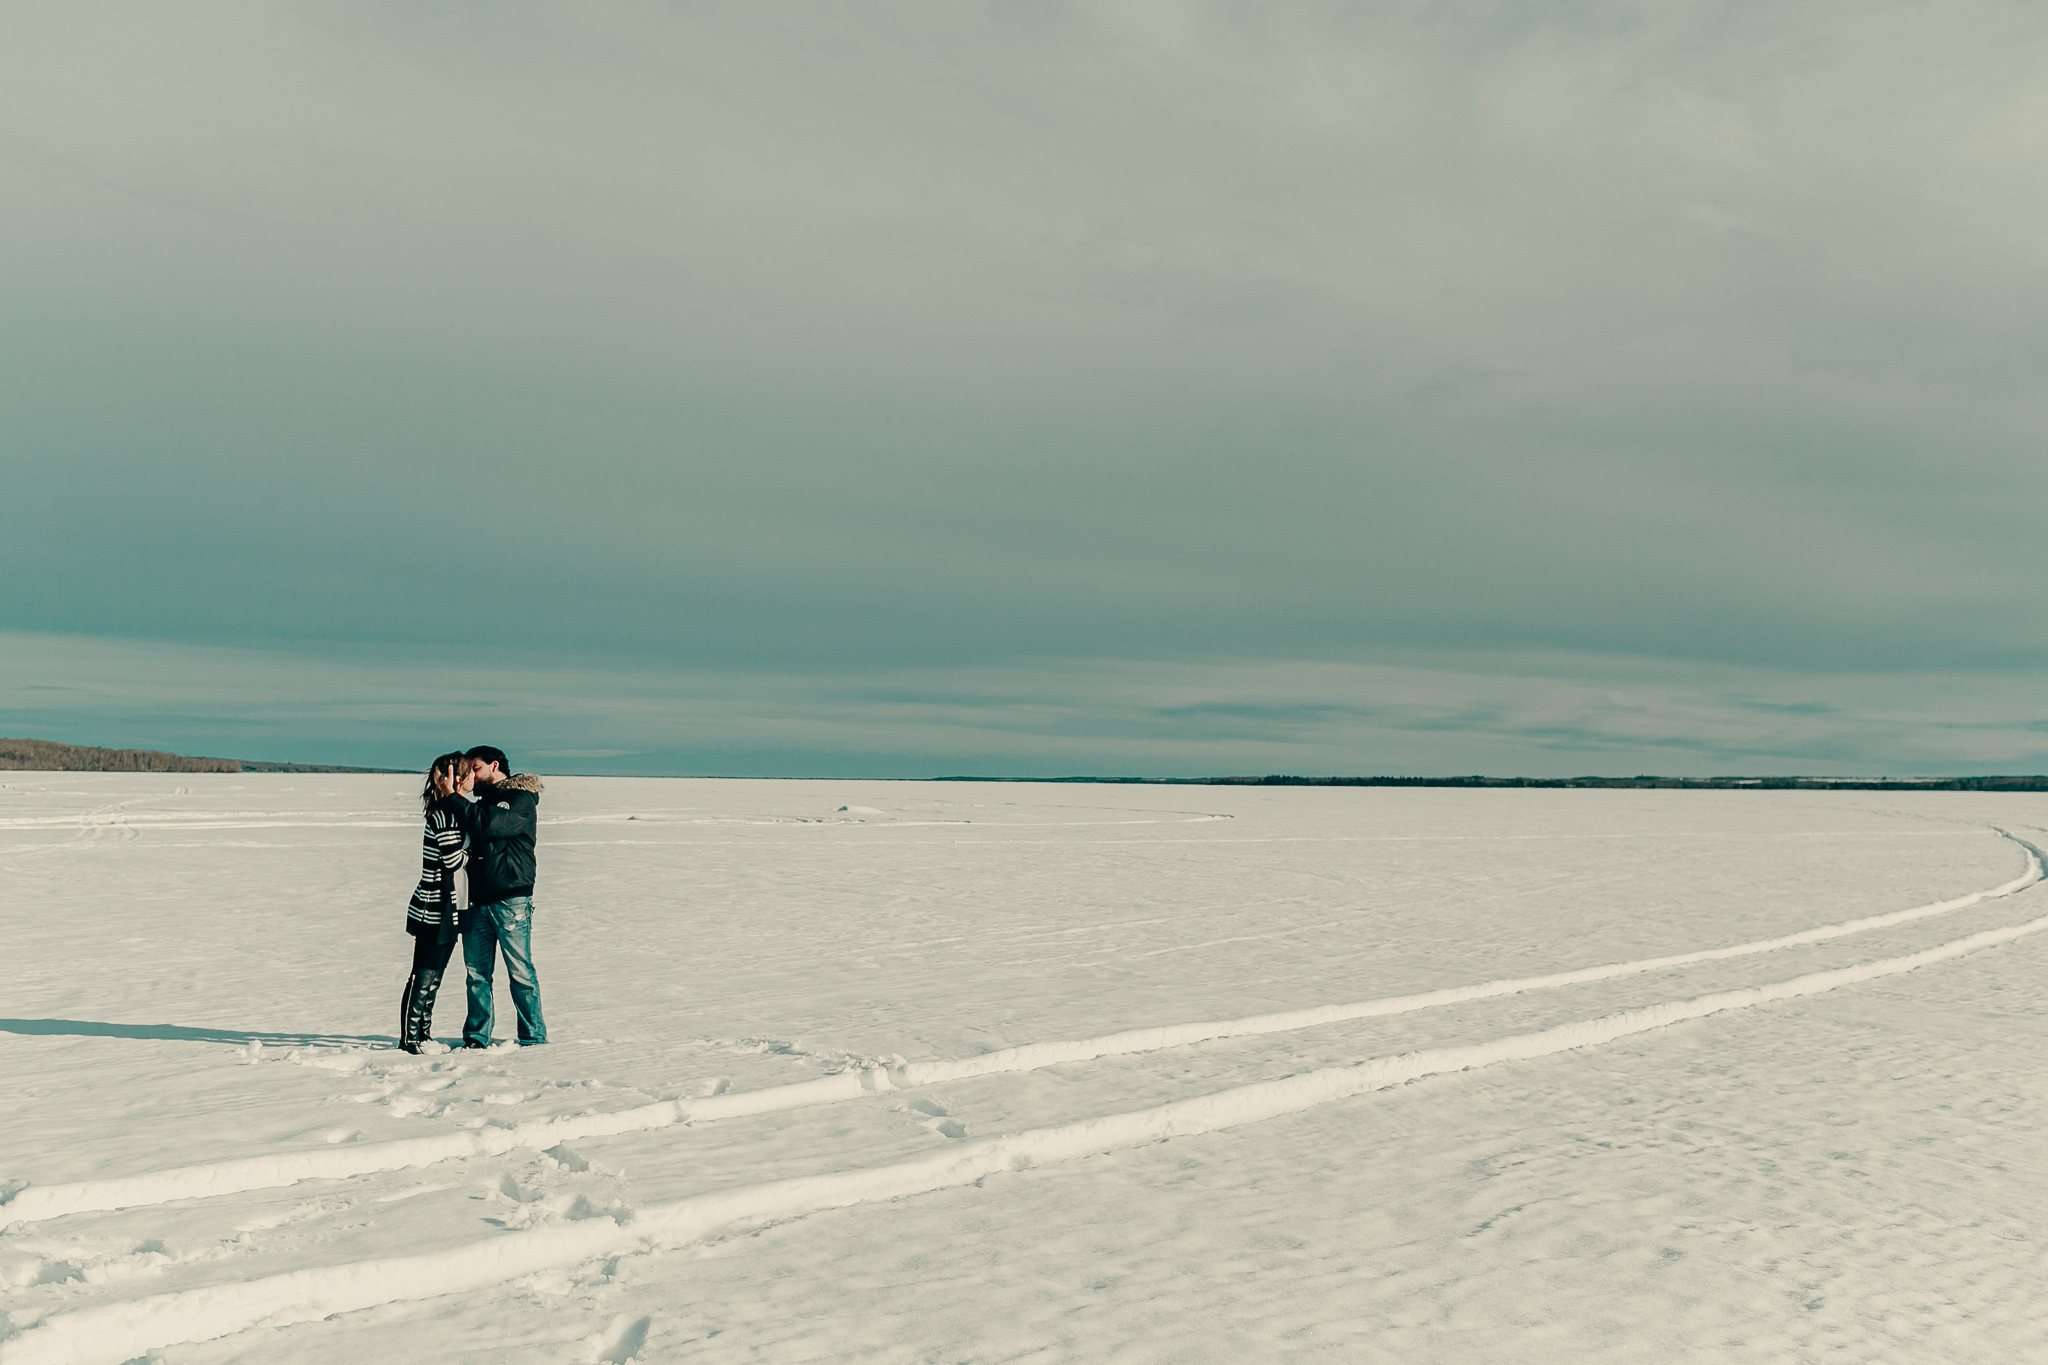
(506, 924)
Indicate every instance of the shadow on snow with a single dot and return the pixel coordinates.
(179, 1033)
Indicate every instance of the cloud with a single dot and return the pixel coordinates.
(1533, 715)
(817, 343)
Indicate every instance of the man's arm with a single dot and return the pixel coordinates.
(465, 811)
(481, 817)
(520, 814)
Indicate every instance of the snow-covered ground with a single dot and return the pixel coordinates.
(890, 1071)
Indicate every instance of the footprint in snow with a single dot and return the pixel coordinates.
(945, 1127)
(296, 1213)
(560, 1208)
(508, 1185)
(567, 1159)
(620, 1341)
(47, 1272)
(106, 1264)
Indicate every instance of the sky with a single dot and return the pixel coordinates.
(906, 390)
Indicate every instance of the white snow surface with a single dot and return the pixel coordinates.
(978, 1072)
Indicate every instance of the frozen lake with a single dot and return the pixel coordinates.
(807, 1097)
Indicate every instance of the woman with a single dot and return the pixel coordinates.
(434, 916)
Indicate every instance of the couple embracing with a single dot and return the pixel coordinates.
(476, 883)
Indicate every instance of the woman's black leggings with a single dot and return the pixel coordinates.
(429, 952)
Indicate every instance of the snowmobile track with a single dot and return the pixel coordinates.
(120, 1332)
(36, 1203)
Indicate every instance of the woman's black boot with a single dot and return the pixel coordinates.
(416, 1010)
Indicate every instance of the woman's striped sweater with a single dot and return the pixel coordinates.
(444, 876)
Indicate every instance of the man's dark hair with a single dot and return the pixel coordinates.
(484, 753)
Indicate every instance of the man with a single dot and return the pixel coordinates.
(497, 810)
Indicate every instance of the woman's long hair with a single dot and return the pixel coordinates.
(427, 793)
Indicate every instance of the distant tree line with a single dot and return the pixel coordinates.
(1940, 784)
(41, 755)
(1945, 784)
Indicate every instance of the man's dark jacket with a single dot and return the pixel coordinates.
(500, 825)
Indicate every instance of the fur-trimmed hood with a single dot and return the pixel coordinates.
(522, 782)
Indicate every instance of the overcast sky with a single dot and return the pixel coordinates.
(913, 389)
